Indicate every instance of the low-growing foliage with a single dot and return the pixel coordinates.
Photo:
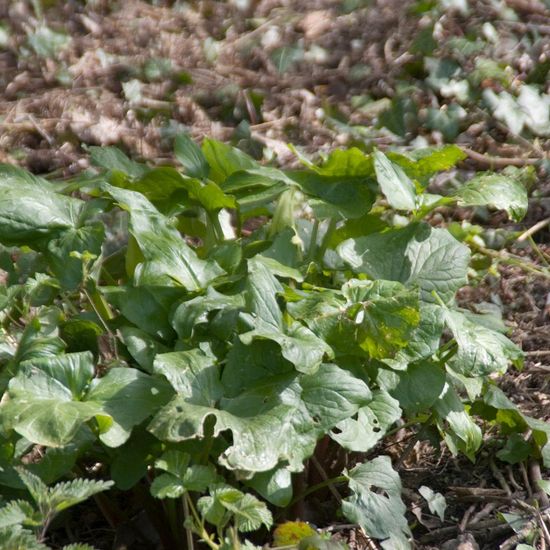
(242, 315)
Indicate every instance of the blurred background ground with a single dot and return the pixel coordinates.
(319, 74)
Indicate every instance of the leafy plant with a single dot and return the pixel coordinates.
(249, 314)
(23, 525)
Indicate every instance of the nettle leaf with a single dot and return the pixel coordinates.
(416, 255)
(168, 260)
(481, 351)
(248, 512)
(191, 157)
(69, 493)
(226, 502)
(382, 516)
(180, 476)
(16, 538)
(394, 183)
(19, 512)
(496, 190)
(362, 433)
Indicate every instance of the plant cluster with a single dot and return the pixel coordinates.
(198, 331)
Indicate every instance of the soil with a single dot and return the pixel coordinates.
(261, 74)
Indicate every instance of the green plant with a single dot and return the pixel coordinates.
(23, 525)
(247, 314)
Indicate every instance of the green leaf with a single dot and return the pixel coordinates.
(19, 512)
(416, 255)
(42, 406)
(132, 460)
(31, 213)
(333, 394)
(362, 433)
(224, 160)
(15, 538)
(69, 493)
(192, 373)
(347, 162)
(299, 345)
(112, 158)
(128, 396)
(436, 501)
(191, 157)
(382, 516)
(496, 190)
(249, 513)
(274, 485)
(461, 432)
(394, 183)
(481, 351)
(60, 253)
(142, 347)
(198, 310)
(516, 449)
(336, 196)
(419, 386)
(385, 314)
(278, 420)
(169, 261)
(261, 295)
(180, 476)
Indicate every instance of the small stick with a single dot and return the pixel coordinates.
(532, 230)
(499, 162)
(325, 477)
(500, 478)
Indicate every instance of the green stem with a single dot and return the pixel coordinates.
(199, 525)
(188, 531)
(100, 312)
(313, 241)
(326, 239)
(526, 266)
(317, 487)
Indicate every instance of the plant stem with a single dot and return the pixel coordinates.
(526, 266)
(313, 241)
(326, 239)
(188, 531)
(317, 487)
(111, 334)
(201, 531)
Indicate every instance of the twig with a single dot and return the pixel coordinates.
(523, 470)
(532, 230)
(327, 480)
(499, 162)
(500, 478)
(536, 476)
